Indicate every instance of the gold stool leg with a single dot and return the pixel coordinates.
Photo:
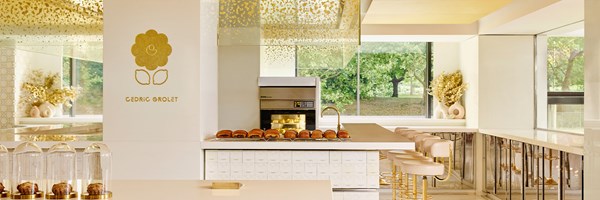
(424, 187)
(394, 182)
(415, 186)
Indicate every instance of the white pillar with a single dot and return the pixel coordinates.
(592, 100)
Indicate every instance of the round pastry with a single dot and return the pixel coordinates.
(304, 134)
(330, 134)
(28, 188)
(61, 189)
(256, 133)
(343, 134)
(271, 133)
(240, 134)
(292, 134)
(317, 134)
(224, 134)
(95, 189)
(1, 187)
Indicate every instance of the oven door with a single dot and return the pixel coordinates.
(283, 120)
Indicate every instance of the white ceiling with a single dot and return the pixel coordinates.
(430, 11)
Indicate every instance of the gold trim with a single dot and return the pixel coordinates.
(4, 194)
(108, 195)
(73, 195)
(37, 195)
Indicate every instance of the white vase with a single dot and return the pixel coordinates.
(34, 112)
(440, 111)
(46, 110)
(58, 110)
(457, 111)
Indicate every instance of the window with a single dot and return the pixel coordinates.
(375, 79)
(88, 76)
(565, 83)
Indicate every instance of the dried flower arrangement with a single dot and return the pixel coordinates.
(447, 88)
(40, 87)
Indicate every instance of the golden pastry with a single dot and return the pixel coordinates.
(28, 188)
(343, 134)
(224, 134)
(271, 133)
(304, 134)
(256, 133)
(1, 187)
(61, 189)
(95, 189)
(330, 134)
(316, 134)
(240, 134)
(292, 134)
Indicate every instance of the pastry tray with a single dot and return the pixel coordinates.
(281, 140)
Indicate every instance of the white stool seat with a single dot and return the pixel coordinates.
(419, 139)
(423, 168)
(401, 158)
(411, 135)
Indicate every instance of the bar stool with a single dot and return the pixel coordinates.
(401, 156)
(435, 149)
(419, 141)
(397, 181)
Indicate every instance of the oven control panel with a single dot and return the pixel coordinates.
(304, 104)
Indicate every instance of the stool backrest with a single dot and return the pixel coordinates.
(406, 132)
(419, 139)
(400, 129)
(412, 135)
(438, 148)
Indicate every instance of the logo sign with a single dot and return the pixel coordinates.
(151, 51)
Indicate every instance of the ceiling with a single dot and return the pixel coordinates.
(430, 11)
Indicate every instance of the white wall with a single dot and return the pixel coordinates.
(158, 140)
(506, 66)
(469, 66)
(277, 61)
(446, 59)
(592, 99)
(239, 68)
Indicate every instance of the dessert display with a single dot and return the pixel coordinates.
(225, 134)
(343, 134)
(28, 188)
(96, 189)
(275, 134)
(271, 133)
(60, 172)
(96, 177)
(290, 134)
(62, 189)
(304, 134)
(240, 134)
(28, 160)
(317, 134)
(256, 133)
(330, 134)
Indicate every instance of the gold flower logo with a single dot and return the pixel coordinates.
(151, 50)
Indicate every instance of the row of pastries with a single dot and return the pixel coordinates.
(290, 134)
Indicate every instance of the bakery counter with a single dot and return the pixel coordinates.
(250, 190)
(364, 136)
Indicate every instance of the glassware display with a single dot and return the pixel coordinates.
(60, 172)
(27, 172)
(4, 172)
(97, 162)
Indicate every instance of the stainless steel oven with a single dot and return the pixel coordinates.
(289, 103)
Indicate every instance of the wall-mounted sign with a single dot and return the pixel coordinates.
(151, 51)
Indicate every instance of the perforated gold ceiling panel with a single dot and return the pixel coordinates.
(51, 17)
(289, 22)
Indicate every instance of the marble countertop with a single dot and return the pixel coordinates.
(251, 190)
(571, 143)
(364, 136)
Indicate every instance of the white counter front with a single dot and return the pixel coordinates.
(571, 143)
(363, 137)
(251, 190)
